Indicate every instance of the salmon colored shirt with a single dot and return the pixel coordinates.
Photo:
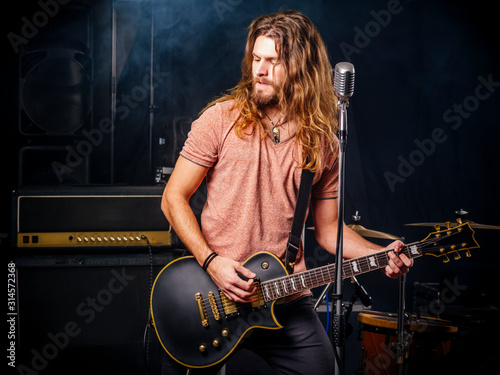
(252, 185)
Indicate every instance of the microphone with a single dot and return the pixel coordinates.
(343, 81)
(343, 87)
(361, 292)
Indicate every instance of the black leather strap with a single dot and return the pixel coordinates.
(293, 245)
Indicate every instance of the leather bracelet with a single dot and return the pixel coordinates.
(208, 260)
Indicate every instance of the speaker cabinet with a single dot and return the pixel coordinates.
(55, 75)
(86, 314)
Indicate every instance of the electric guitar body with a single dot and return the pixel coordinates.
(197, 325)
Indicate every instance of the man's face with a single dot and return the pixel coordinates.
(267, 72)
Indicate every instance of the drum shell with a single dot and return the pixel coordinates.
(428, 344)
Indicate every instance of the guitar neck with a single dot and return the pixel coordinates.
(299, 282)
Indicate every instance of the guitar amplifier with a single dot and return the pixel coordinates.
(89, 217)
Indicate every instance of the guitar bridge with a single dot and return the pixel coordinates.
(213, 306)
(201, 309)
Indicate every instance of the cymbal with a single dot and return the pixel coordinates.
(362, 231)
(454, 224)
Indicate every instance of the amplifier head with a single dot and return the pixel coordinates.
(89, 216)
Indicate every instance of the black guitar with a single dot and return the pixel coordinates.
(198, 326)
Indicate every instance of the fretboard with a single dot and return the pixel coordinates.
(299, 282)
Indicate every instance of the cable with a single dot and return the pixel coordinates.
(146, 338)
(327, 314)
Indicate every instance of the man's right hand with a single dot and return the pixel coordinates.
(226, 272)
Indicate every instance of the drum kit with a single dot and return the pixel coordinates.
(394, 343)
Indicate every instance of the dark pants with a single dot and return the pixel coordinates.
(300, 347)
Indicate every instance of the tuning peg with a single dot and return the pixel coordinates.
(459, 220)
(457, 256)
(437, 226)
(447, 224)
(446, 259)
(468, 254)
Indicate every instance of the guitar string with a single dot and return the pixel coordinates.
(318, 274)
(363, 264)
(285, 281)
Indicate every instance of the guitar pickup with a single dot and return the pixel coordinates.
(260, 298)
(229, 307)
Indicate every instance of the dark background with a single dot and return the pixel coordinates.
(422, 144)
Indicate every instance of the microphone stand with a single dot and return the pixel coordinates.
(343, 87)
(338, 318)
(401, 344)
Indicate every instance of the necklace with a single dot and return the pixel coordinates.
(275, 130)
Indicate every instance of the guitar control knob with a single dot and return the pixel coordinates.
(202, 348)
(216, 343)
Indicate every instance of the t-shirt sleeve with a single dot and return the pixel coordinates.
(327, 185)
(202, 146)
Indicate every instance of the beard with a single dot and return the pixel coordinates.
(264, 98)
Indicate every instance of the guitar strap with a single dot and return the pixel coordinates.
(292, 247)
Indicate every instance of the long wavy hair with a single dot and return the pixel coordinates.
(306, 94)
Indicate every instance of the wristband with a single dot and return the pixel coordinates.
(208, 260)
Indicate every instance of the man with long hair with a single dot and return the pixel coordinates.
(251, 145)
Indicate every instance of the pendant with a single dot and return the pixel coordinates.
(276, 135)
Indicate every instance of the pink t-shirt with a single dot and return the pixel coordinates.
(252, 185)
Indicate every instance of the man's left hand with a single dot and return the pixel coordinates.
(399, 263)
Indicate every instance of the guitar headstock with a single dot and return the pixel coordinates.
(449, 241)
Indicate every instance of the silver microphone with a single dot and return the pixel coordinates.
(343, 81)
